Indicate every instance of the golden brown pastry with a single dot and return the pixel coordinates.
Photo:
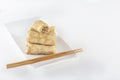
(39, 49)
(42, 38)
(40, 26)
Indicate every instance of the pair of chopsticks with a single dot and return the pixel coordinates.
(39, 59)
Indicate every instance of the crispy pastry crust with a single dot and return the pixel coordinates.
(42, 38)
(40, 49)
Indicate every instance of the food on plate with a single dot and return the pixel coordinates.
(40, 49)
(48, 38)
(41, 39)
(39, 25)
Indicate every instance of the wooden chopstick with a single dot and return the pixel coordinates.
(31, 61)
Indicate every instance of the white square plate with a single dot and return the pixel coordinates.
(18, 30)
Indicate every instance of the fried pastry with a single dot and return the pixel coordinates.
(39, 49)
(40, 26)
(41, 39)
(48, 38)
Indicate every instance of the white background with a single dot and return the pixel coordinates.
(90, 24)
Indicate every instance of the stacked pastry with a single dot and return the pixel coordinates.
(41, 39)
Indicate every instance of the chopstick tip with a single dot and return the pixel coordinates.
(79, 50)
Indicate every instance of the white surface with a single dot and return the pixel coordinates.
(91, 24)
